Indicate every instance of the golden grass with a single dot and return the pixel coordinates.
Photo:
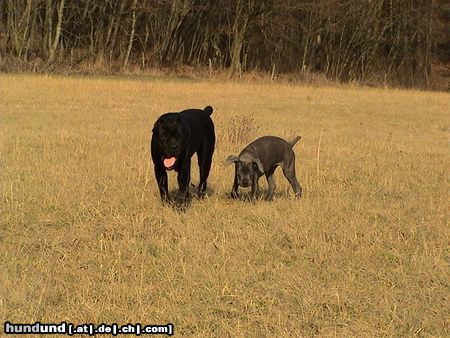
(84, 237)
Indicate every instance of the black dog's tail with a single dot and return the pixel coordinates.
(295, 140)
(208, 110)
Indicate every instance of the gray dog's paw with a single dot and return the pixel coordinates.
(268, 198)
(234, 194)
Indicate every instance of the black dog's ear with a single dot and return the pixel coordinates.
(258, 164)
(231, 159)
(208, 110)
(156, 126)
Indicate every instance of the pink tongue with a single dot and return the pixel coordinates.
(168, 162)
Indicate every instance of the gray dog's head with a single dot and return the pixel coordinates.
(169, 135)
(245, 169)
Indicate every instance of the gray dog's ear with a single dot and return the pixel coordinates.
(259, 164)
(231, 159)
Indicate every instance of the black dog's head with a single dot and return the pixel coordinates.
(168, 133)
(245, 169)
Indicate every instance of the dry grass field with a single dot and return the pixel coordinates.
(84, 237)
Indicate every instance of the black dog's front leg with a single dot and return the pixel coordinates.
(161, 179)
(184, 178)
(234, 190)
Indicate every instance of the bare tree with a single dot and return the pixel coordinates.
(53, 43)
(131, 38)
(395, 41)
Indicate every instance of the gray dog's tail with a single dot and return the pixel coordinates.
(208, 110)
(295, 140)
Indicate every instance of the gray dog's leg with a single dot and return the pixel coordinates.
(234, 190)
(255, 187)
(290, 175)
(272, 185)
(289, 172)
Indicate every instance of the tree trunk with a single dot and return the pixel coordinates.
(238, 39)
(48, 27)
(427, 61)
(55, 42)
(115, 31)
(130, 41)
(31, 35)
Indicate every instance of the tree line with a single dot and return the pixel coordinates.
(394, 41)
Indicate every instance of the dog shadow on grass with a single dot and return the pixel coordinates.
(246, 196)
(193, 196)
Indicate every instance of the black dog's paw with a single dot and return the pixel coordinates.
(182, 207)
(182, 198)
(166, 199)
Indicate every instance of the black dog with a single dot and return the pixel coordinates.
(176, 137)
(263, 156)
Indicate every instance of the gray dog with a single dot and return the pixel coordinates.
(262, 156)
